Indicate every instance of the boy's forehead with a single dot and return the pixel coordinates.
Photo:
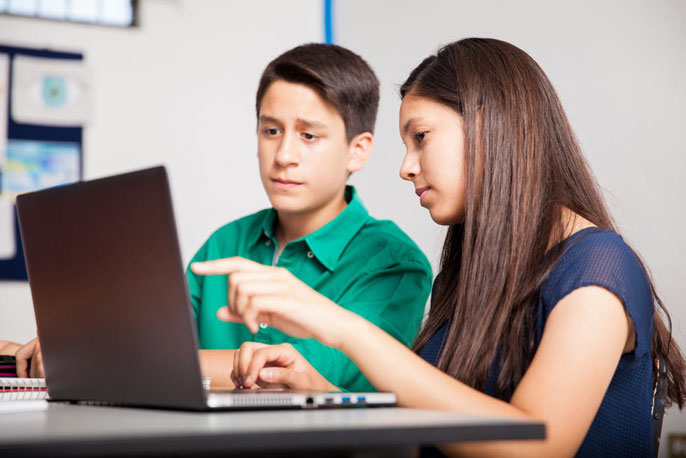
(285, 101)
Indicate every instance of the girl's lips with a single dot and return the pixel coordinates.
(421, 192)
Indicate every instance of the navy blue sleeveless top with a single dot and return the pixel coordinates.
(622, 426)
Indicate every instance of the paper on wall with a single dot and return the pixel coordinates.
(53, 92)
(32, 165)
(8, 242)
(4, 98)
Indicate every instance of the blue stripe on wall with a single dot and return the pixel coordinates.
(328, 21)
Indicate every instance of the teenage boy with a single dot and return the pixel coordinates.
(316, 108)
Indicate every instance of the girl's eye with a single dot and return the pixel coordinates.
(419, 136)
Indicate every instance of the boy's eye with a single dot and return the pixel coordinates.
(419, 136)
(308, 136)
(271, 131)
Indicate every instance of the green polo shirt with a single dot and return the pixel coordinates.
(367, 266)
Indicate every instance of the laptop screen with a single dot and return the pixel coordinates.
(109, 292)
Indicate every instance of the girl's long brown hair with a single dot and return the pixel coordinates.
(523, 167)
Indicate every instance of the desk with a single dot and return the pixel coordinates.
(76, 430)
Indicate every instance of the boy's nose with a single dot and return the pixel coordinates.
(286, 154)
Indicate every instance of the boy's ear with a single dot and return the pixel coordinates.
(359, 150)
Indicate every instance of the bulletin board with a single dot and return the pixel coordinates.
(43, 109)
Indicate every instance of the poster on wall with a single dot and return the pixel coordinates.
(44, 104)
(50, 92)
(8, 243)
(4, 100)
(32, 165)
(7, 239)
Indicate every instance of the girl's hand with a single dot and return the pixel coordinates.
(276, 366)
(265, 295)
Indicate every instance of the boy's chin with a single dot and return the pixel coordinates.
(288, 204)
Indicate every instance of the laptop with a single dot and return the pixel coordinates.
(112, 306)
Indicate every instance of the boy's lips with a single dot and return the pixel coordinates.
(285, 183)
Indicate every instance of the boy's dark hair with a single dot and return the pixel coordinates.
(339, 75)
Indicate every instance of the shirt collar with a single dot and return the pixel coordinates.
(268, 224)
(328, 242)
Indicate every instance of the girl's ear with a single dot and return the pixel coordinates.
(359, 150)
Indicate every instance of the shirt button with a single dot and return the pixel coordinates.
(268, 242)
(310, 254)
(263, 325)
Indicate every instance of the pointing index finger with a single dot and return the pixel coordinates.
(225, 266)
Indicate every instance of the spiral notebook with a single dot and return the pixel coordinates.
(22, 385)
(22, 394)
(11, 384)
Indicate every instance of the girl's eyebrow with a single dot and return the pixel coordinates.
(406, 126)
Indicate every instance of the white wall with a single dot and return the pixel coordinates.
(619, 67)
(180, 91)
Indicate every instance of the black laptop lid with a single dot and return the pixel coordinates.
(109, 293)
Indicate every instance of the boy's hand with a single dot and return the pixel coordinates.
(260, 294)
(217, 365)
(30, 351)
(276, 366)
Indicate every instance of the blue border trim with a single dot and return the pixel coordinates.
(328, 22)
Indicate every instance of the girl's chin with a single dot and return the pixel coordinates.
(444, 219)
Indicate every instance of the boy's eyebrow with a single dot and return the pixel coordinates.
(304, 122)
(308, 123)
(265, 118)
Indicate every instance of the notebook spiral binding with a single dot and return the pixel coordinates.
(13, 384)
